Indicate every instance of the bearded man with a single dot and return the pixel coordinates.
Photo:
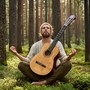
(62, 64)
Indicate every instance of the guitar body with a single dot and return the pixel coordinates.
(42, 63)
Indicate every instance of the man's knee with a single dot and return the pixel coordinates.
(68, 64)
(20, 65)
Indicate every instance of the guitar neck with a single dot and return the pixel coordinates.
(56, 39)
(67, 23)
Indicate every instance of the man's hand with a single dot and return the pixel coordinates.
(73, 52)
(13, 49)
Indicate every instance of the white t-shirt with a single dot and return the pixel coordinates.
(35, 49)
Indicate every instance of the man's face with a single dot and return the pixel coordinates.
(46, 31)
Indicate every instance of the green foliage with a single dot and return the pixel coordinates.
(7, 83)
(79, 76)
(60, 86)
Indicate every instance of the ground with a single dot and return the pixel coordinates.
(79, 76)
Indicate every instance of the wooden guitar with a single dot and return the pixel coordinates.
(43, 62)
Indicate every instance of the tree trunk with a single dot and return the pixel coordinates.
(45, 10)
(37, 23)
(41, 10)
(19, 26)
(49, 11)
(87, 30)
(2, 32)
(56, 16)
(62, 18)
(31, 23)
(68, 33)
(12, 23)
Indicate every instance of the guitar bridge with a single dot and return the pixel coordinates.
(41, 64)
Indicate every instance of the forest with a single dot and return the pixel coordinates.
(20, 22)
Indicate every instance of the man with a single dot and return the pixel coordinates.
(62, 64)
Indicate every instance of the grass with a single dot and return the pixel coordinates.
(12, 79)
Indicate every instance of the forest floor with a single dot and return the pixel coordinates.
(79, 76)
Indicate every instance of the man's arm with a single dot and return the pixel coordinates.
(13, 50)
(73, 52)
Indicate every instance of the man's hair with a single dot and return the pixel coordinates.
(45, 23)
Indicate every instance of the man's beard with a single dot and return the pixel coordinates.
(45, 35)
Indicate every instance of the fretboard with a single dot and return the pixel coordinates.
(56, 39)
(68, 21)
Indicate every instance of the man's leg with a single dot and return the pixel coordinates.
(60, 72)
(25, 69)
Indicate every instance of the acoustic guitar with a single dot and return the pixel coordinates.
(43, 63)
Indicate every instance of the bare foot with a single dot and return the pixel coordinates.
(39, 83)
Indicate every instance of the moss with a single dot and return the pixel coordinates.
(79, 76)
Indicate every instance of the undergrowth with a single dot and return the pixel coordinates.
(79, 76)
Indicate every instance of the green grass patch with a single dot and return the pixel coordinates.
(79, 76)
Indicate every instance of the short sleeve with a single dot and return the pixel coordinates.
(31, 53)
(61, 49)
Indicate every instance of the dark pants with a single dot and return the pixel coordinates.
(58, 74)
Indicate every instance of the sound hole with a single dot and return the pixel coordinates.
(47, 53)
